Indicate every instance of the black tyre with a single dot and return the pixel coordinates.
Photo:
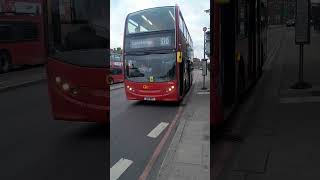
(5, 62)
(111, 81)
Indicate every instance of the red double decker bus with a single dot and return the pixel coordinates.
(78, 60)
(22, 37)
(116, 68)
(240, 51)
(158, 51)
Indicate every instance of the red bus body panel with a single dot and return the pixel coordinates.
(118, 78)
(216, 110)
(91, 103)
(159, 91)
(30, 52)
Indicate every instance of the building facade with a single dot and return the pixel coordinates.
(281, 10)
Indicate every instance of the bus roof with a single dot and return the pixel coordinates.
(149, 9)
(162, 7)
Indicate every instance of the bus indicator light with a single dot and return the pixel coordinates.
(238, 56)
(151, 79)
(179, 57)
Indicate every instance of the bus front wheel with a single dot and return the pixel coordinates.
(4, 62)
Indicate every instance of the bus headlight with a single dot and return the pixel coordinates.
(170, 89)
(66, 87)
(58, 80)
(130, 88)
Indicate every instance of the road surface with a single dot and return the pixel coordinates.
(34, 146)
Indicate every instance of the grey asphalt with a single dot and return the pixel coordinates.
(130, 123)
(277, 130)
(34, 146)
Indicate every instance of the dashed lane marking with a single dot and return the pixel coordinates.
(202, 92)
(158, 130)
(119, 168)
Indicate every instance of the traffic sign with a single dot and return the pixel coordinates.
(204, 29)
(302, 22)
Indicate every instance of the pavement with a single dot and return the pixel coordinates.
(277, 127)
(188, 156)
(116, 86)
(22, 77)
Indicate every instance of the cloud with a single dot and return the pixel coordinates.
(192, 11)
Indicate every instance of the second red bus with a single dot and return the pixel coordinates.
(22, 37)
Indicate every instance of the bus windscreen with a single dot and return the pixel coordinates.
(81, 39)
(149, 20)
(151, 67)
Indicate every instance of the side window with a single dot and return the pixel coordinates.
(180, 24)
(6, 33)
(243, 19)
(28, 31)
(18, 31)
(185, 30)
(119, 71)
(116, 71)
(131, 27)
(112, 71)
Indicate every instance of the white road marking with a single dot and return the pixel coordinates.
(300, 99)
(119, 168)
(157, 130)
(203, 92)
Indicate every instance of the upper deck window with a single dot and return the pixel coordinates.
(154, 19)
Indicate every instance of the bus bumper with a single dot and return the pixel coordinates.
(152, 92)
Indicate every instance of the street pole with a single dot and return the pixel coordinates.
(204, 68)
(301, 64)
(301, 84)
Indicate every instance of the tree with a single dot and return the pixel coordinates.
(117, 50)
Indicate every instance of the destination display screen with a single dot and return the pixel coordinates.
(164, 41)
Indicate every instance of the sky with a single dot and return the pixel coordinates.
(192, 12)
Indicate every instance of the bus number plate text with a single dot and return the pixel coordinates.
(149, 99)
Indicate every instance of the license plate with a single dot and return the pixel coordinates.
(149, 99)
